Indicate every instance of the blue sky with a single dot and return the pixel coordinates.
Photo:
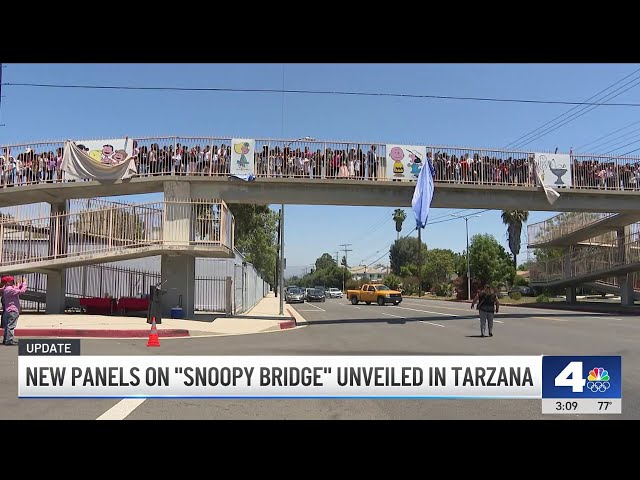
(30, 114)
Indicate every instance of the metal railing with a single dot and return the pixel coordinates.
(587, 261)
(115, 281)
(41, 162)
(561, 225)
(113, 230)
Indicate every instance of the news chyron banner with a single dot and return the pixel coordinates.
(55, 369)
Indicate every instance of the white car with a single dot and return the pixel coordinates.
(334, 293)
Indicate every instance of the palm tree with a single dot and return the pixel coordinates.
(514, 220)
(399, 216)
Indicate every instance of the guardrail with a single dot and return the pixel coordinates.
(41, 162)
(116, 228)
(561, 225)
(587, 261)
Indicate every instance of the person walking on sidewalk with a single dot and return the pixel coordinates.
(488, 303)
(11, 297)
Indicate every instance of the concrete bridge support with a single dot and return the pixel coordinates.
(625, 281)
(58, 244)
(178, 271)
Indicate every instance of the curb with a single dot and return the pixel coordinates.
(76, 332)
(289, 324)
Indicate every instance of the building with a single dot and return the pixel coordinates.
(373, 273)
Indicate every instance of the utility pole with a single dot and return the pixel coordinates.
(346, 260)
(277, 273)
(282, 259)
(419, 263)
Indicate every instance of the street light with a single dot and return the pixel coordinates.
(466, 224)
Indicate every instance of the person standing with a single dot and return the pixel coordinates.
(488, 303)
(11, 296)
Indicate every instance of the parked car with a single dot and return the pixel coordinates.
(315, 295)
(294, 295)
(335, 293)
(524, 291)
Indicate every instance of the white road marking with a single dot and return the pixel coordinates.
(553, 319)
(431, 323)
(349, 305)
(122, 409)
(427, 311)
(498, 321)
(312, 305)
(606, 318)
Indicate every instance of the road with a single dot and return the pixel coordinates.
(335, 327)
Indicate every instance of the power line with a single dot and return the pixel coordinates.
(607, 135)
(320, 92)
(565, 113)
(579, 113)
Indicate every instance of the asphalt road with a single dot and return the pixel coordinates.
(335, 327)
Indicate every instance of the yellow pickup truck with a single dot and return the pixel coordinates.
(380, 294)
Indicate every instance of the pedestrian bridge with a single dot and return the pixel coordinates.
(112, 233)
(327, 173)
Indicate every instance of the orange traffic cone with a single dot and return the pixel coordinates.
(154, 340)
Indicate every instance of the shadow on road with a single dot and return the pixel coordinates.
(443, 319)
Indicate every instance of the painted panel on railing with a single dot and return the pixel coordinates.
(99, 160)
(242, 153)
(554, 168)
(404, 162)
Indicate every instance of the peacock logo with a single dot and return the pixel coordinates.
(598, 380)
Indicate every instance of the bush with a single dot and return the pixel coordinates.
(520, 282)
(515, 295)
(443, 289)
(542, 298)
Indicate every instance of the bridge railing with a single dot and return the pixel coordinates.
(41, 162)
(561, 225)
(116, 229)
(587, 260)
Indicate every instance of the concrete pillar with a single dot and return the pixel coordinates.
(626, 289)
(571, 294)
(179, 273)
(58, 246)
(56, 289)
(177, 228)
(625, 281)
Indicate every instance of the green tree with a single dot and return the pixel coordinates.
(255, 237)
(439, 266)
(490, 263)
(325, 261)
(399, 216)
(392, 281)
(404, 252)
(514, 220)
(546, 254)
(120, 224)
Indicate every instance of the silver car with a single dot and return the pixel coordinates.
(294, 295)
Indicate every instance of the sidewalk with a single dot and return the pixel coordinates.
(263, 317)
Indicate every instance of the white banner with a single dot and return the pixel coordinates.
(404, 162)
(554, 168)
(101, 160)
(242, 156)
(281, 376)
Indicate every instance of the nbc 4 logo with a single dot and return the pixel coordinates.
(571, 376)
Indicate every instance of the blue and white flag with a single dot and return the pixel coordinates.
(423, 194)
